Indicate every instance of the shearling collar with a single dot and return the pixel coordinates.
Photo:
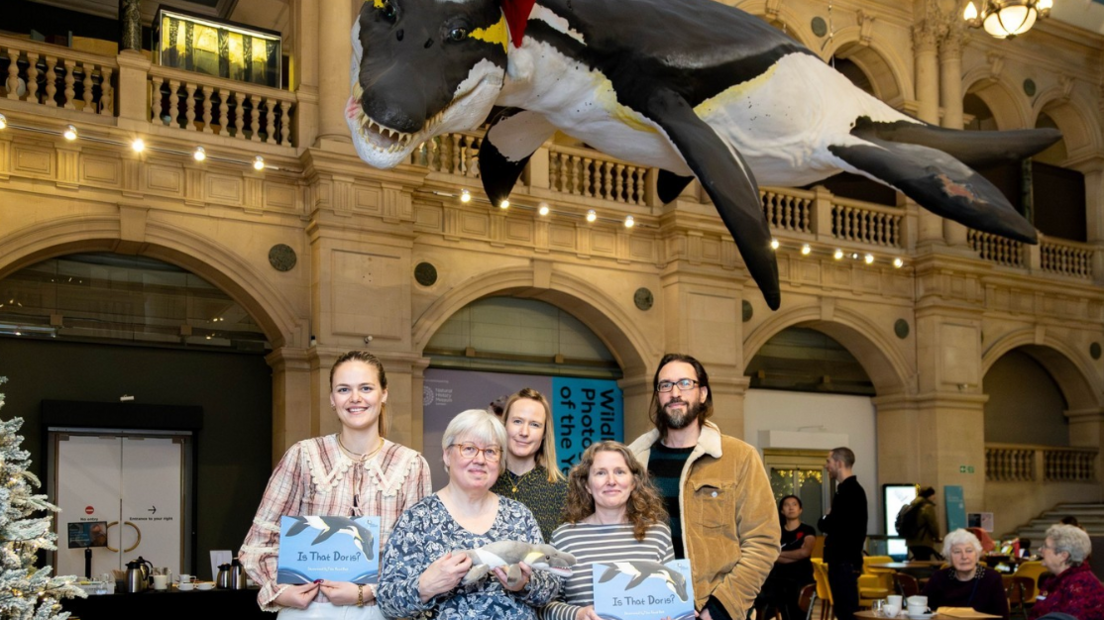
(709, 442)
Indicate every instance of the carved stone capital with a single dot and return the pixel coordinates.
(866, 26)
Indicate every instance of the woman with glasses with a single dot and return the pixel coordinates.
(354, 472)
(967, 583)
(1073, 589)
(531, 475)
(422, 568)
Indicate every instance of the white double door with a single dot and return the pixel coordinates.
(133, 483)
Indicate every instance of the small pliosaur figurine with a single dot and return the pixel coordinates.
(692, 87)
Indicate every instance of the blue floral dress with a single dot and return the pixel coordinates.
(426, 532)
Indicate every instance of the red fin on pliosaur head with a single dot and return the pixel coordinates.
(517, 16)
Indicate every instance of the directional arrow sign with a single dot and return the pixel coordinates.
(153, 510)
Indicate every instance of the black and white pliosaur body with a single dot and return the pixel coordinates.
(693, 87)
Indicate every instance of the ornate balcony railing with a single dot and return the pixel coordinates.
(57, 77)
(789, 209)
(212, 105)
(867, 224)
(1028, 463)
(1067, 258)
(451, 153)
(582, 172)
(996, 249)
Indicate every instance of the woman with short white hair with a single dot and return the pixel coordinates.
(422, 567)
(1073, 589)
(967, 583)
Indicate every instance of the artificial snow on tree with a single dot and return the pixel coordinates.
(26, 592)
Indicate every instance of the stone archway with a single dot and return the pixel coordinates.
(190, 251)
(1073, 374)
(607, 319)
(887, 367)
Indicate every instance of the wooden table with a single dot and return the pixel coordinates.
(869, 615)
(916, 568)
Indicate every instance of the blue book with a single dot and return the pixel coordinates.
(333, 548)
(644, 590)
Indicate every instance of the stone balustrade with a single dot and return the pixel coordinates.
(57, 77)
(201, 103)
(1028, 463)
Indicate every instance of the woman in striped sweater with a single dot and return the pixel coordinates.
(613, 514)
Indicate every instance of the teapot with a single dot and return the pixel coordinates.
(223, 579)
(137, 575)
(237, 575)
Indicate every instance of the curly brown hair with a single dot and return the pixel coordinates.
(645, 507)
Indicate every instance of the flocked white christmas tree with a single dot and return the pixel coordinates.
(26, 592)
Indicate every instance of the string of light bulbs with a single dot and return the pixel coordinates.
(138, 145)
(840, 254)
(542, 208)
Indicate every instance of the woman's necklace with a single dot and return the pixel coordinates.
(358, 456)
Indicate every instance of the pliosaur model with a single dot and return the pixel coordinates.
(692, 87)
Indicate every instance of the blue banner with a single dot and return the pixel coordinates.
(955, 504)
(586, 411)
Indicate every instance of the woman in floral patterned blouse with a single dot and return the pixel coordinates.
(532, 476)
(421, 571)
(351, 473)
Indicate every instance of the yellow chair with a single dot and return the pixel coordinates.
(823, 591)
(875, 583)
(1032, 571)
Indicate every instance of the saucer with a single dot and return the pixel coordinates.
(923, 616)
(210, 586)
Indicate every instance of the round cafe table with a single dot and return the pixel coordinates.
(918, 569)
(867, 614)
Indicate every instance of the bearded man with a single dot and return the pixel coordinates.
(718, 497)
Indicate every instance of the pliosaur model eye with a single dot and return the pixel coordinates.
(388, 11)
(457, 34)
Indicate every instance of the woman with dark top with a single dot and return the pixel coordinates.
(613, 514)
(531, 475)
(793, 569)
(1073, 589)
(966, 583)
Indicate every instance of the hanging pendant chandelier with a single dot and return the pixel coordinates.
(1005, 19)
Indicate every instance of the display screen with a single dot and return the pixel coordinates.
(223, 50)
(894, 497)
(87, 534)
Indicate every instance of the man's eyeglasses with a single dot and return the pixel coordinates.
(469, 450)
(683, 385)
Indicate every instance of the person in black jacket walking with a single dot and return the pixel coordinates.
(845, 533)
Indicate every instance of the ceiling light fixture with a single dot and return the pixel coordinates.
(806, 249)
(505, 204)
(591, 215)
(138, 145)
(70, 133)
(774, 244)
(544, 210)
(200, 153)
(258, 163)
(3, 121)
(629, 221)
(1006, 19)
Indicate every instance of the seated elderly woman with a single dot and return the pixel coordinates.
(1073, 589)
(966, 583)
(422, 568)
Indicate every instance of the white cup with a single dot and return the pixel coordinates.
(186, 579)
(160, 582)
(186, 586)
(890, 611)
(917, 610)
(894, 599)
(917, 600)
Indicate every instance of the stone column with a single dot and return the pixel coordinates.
(335, 24)
(303, 53)
(1086, 430)
(1093, 169)
(925, 37)
(950, 57)
(293, 416)
(703, 319)
(130, 25)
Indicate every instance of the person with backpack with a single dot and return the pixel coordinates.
(919, 525)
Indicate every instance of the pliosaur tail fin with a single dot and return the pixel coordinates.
(939, 183)
(973, 148)
(728, 180)
(514, 136)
